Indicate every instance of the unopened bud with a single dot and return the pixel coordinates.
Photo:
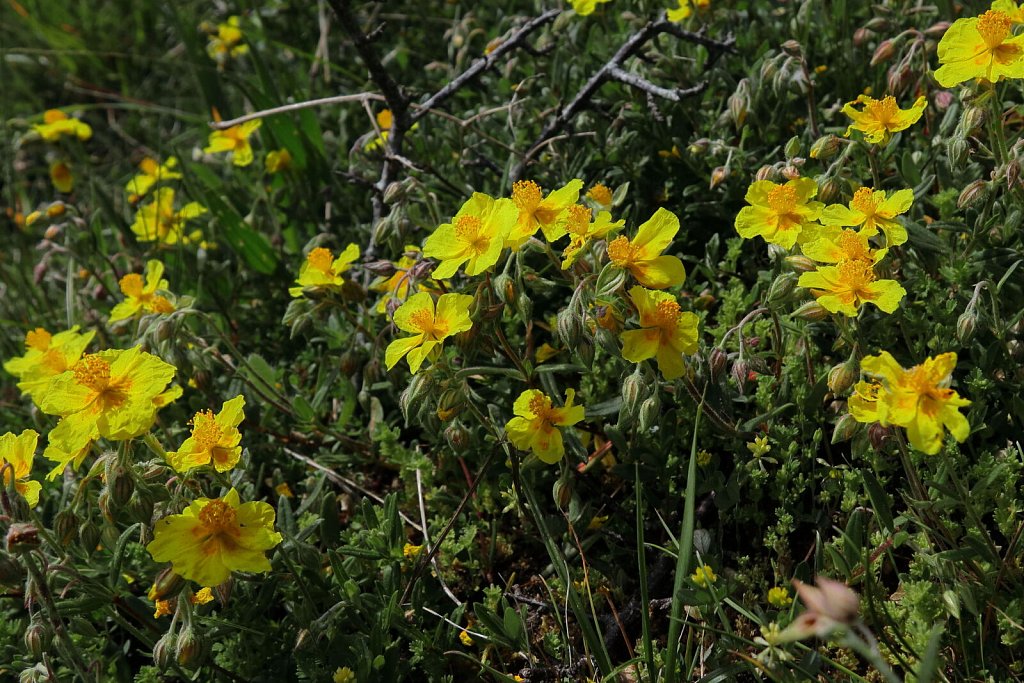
(414, 394)
(38, 637)
(525, 306)
(717, 360)
(649, 413)
(878, 435)
(937, 29)
(956, 151)
(166, 585)
(1012, 174)
(972, 194)
(718, 176)
(825, 147)
(861, 36)
(190, 650)
(65, 526)
(971, 120)
(883, 53)
(739, 103)
(781, 288)
(569, 328)
(89, 536)
(121, 485)
(394, 192)
(504, 287)
(740, 371)
(812, 311)
(800, 263)
(381, 267)
(790, 172)
(634, 389)
(846, 428)
(457, 436)
(792, 48)
(792, 148)
(965, 325)
(163, 651)
(766, 173)
(561, 491)
(842, 376)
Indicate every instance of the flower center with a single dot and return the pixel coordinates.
(540, 406)
(863, 201)
(601, 194)
(526, 195)
(884, 110)
(782, 199)
(666, 314)
(852, 246)
(385, 119)
(321, 259)
(856, 275)
(994, 26)
(205, 430)
(621, 252)
(38, 339)
(423, 320)
(131, 285)
(469, 229)
(93, 372)
(218, 517)
(579, 220)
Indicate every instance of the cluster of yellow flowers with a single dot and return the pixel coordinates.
(682, 10)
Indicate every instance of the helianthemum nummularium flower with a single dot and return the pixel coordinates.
(1010, 8)
(685, 9)
(56, 124)
(879, 119)
(582, 231)
(851, 283)
(980, 47)
(586, 7)
(475, 236)
(918, 399)
(871, 211)
(227, 42)
(666, 333)
(18, 451)
(642, 256)
(46, 356)
(213, 537)
(321, 269)
(535, 427)
(143, 297)
(430, 326)
(234, 140)
(537, 211)
(779, 213)
(108, 394)
(214, 441)
(159, 222)
(150, 173)
(835, 245)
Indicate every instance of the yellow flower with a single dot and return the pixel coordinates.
(582, 231)
(143, 298)
(278, 160)
(61, 177)
(235, 140)
(685, 9)
(18, 451)
(642, 257)
(871, 211)
(151, 173)
(214, 537)
(283, 489)
(46, 356)
(845, 287)
(759, 446)
(779, 597)
(227, 42)
(1011, 9)
(704, 576)
(919, 399)
(475, 236)
(836, 245)
(781, 214)
(56, 124)
(159, 222)
(879, 119)
(108, 394)
(397, 285)
(601, 195)
(344, 675)
(215, 439)
(704, 457)
(585, 8)
(545, 352)
(202, 596)
(980, 47)
(430, 327)
(163, 608)
(321, 269)
(666, 332)
(863, 401)
(536, 211)
(535, 427)
(410, 551)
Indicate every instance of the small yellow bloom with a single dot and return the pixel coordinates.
(214, 537)
(535, 427)
(234, 140)
(409, 551)
(980, 47)
(163, 608)
(1011, 9)
(321, 269)
(673, 153)
(215, 439)
(879, 119)
(685, 9)
(863, 401)
(46, 356)
(18, 452)
(344, 675)
(918, 399)
(56, 124)
(283, 489)
(397, 286)
(202, 596)
(545, 352)
(143, 298)
(871, 211)
(226, 42)
(704, 576)
(835, 245)
(642, 257)
(781, 214)
(278, 160)
(582, 231)
(536, 211)
(159, 222)
(430, 325)
(109, 394)
(759, 446)
(475, 236)
(61, 177)
(601, 195)
(666, 333)
(703, 457)
(586, 7)
(848, 285)
(779, 597)
(150, 173)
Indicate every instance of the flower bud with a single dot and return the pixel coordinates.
(561, 491)
(414, 394)
(525, 305)
(457, 436)
(569, 328)
(792, 148)
(800, 264)
(634, 390)
(937, 30)
(89, 536)
(504, 287)
(878, 435)
(781, 288)
(394, 192)
(35, 674)
(381, 267)
(957, 151)
(766, 173)
(163, 651)
(717, 360)
(883, 53)
(190, 649)
(965, 325)
(792, 48)
(1012, 174)
(650, 412)
(166, 585)
(740, 371)
(790, 171)
(825, 147)
(971, 120)
(718, 176)
(22, 537)
(811, 311)
(972, 194)
(843, 375)
(121, 485)
(861, 36)
(739, 103)
(37, 637)
(65, 526)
